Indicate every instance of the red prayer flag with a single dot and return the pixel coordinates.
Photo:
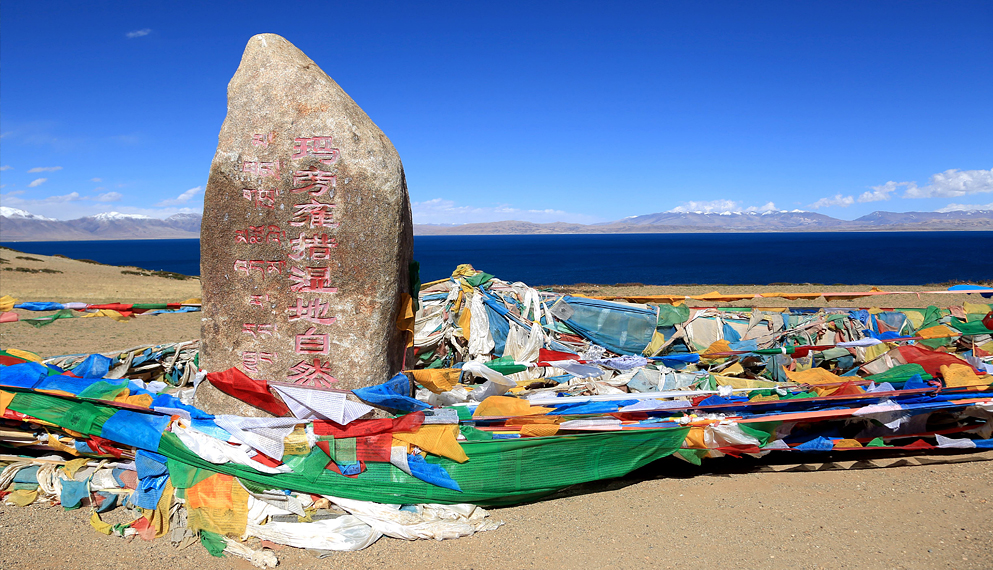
(103, 446)
(237, 384)
(374, 447)
(930, 360)
(802, 351)
(367, 448)
(266, 460)
(545, 355)
(119, 307)
(361, 428)
(6, 360)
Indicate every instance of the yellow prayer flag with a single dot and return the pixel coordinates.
(97, 523)
(7, 303)
(504, 406)
(438, 439)
(813, 376)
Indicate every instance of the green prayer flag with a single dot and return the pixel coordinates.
(973, 328)
(213, 542)
(505, 365)
(694, 456)
(312, 465)
(253, 487)
(414, 276)
(103, 390)
(463, 411)
(671, 315)
(478, 279)
(932, 317)
(49, 319)
(184, 476)
(499, 471)
(473, 434)
(761, 431)
(344, 451)
(900, 373)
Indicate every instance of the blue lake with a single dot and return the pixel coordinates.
(890, 258)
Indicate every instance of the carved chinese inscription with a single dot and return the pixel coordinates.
(306, 239)
(313, 207)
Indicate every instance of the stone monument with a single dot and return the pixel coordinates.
(307, 236)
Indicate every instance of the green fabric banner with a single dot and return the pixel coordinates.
(499, 471)
(42, 321)
(900, 373)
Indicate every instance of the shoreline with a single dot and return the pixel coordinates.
(71, 280)
(419, 232)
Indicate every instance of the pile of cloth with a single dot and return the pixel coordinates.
(515, 394)
(120, 312)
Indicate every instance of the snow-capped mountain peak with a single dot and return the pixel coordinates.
(8, 212)
(115, 216)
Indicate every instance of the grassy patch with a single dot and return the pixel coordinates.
(163, 274)
(171, 275)
(31, 270)
(26, 258)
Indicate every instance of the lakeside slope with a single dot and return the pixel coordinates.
(734, 513)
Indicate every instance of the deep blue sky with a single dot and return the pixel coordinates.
(541, 111)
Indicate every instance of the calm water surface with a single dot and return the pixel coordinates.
(890, 258)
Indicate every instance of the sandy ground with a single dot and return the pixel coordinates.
(91, 283)
(730, 514)
(668, 515)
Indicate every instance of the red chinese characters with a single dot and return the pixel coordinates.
(314, 213)
(311, 280)
(315, 146)
(314, 181)
(316, 247)
(313, 311)
(312, 342)
(311, 373)
(308, 281)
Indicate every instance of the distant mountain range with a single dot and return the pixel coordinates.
(18, 225)
(690, 222)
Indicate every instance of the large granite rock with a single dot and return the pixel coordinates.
(306, 237)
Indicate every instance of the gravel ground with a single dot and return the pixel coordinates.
(667, 515)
